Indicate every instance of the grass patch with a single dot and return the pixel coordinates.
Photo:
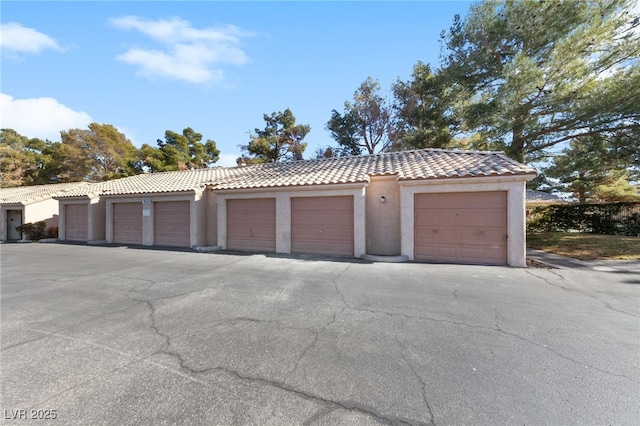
(586, 246)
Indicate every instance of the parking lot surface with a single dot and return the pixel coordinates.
(117, 335)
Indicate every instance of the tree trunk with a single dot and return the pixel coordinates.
(516, 149)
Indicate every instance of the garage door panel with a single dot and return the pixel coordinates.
(496, 254)
(251, 224)
(172, 223)
(321, 247)
(480, 236)
(322, 217)
(481, 217)
(496, 199)
(127, 223)
(322, 225)
(444, 233)
(470, 252)
(315, 204)
(470, 227)
(76, 222)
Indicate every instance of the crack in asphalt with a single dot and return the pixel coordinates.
(464, 324)
(153, 282)
(496, 319)
(329, 405)
(136, 359)
(55, 332)
(172, 296)
(313, 342)
(575, 290)
(218, 286)
(403, 349)
(350, 406)
(355, 407)
(318, 415)
(317, 333)
(77, 385)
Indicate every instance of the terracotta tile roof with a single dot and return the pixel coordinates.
(180, 181)
(423, 164)
(34, 193)
(408, 165)
(539, 197)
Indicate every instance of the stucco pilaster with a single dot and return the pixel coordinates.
(283, 223)
(147, 222)
(222, 222)
(516, 228)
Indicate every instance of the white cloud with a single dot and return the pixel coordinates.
(16, 38)
(184, 53)
(42, 118)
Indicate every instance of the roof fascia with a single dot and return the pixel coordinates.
(470, 179)
(299, 188)
(76, 197)
(152, 194)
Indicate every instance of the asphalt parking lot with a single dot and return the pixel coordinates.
(116, 335)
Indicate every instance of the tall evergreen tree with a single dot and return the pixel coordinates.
(423, 111)
(179, 152)
(365, 123)
(533, 74)
(593, 170)
(99, 153)
(281, 139)
(21, 159)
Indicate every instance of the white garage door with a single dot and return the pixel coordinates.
(322, 225)
(465, 227)
(251, 224)
(76, 222)
(171, 220)
(127, 223)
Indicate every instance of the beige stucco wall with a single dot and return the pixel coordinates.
(95, 217)
(383, 218)
(197, 219)
(3, 218)
(45, 210)
(283, 211)
(515, 188)
(211, 202)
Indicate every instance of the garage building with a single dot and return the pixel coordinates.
(427, 205)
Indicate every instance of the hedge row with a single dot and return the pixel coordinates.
(36, 231)
(610, 218)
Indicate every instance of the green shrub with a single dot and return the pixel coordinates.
(32, 231)
(610, 218)
(51, 232)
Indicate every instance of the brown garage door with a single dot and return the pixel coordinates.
(322, 225)
(251, 224)
(76, 222)
(127, 223)
(171, 223)
(465, 227)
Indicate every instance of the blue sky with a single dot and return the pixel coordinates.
(216, 67)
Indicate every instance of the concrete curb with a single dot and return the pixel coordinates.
(563, 262)
(385, 259)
